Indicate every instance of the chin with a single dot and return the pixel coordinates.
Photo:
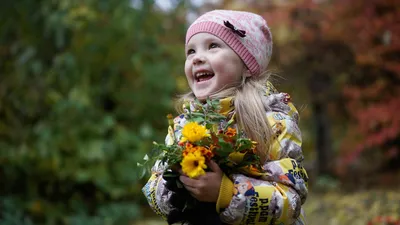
(201, 97)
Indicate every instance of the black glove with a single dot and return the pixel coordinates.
(179, 197)
(186, 207)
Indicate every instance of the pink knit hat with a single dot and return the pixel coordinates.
(246, 33)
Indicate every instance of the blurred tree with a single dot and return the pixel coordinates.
(342, 58)
(317, 68)
(372, 31)
(307, 78)
(84, 89)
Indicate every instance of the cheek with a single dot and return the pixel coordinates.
(188, 71)
(230, 66)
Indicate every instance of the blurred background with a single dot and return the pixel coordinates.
(85, 87)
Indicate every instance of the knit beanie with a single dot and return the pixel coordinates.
(246, 33)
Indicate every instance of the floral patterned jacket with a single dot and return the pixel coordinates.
(276, 198)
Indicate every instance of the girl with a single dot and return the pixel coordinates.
(227, 53)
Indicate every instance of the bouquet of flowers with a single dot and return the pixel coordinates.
(206, 135)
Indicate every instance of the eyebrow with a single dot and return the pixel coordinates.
(207, 39)
(212, 38)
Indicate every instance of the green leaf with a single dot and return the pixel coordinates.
(198, 120)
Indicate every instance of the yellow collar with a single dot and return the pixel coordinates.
(227, 105)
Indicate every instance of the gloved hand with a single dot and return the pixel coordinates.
(179, 197)
(172, 181)
(186, 207)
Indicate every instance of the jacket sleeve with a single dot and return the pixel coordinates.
(276, 198)
(155, 191)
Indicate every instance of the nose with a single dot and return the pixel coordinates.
(198, 59)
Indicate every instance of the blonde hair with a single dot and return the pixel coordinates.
(250, 110)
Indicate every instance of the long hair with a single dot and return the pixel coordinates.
(250, 110)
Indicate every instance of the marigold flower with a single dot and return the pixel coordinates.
(212, 147)
(194, 132)
(230, 132)
(193, 164)
(188, 149)
(204, 151)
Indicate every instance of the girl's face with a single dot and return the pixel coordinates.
(211, 65)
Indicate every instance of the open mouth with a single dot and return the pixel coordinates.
(204, 76)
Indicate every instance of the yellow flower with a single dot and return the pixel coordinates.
(194, 132)
(193, 164)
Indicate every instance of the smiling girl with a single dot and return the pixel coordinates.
(227, 54)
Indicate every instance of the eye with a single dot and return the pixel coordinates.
(213, 45)
(190, 51)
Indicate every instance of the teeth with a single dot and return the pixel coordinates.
(203, 74)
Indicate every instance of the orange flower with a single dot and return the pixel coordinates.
(204, 151)
(188, 149)
(189, 145)
(207, 153)
(231, 132)
(212, 147)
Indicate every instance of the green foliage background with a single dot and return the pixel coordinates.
(85, 86)
(84, 89)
